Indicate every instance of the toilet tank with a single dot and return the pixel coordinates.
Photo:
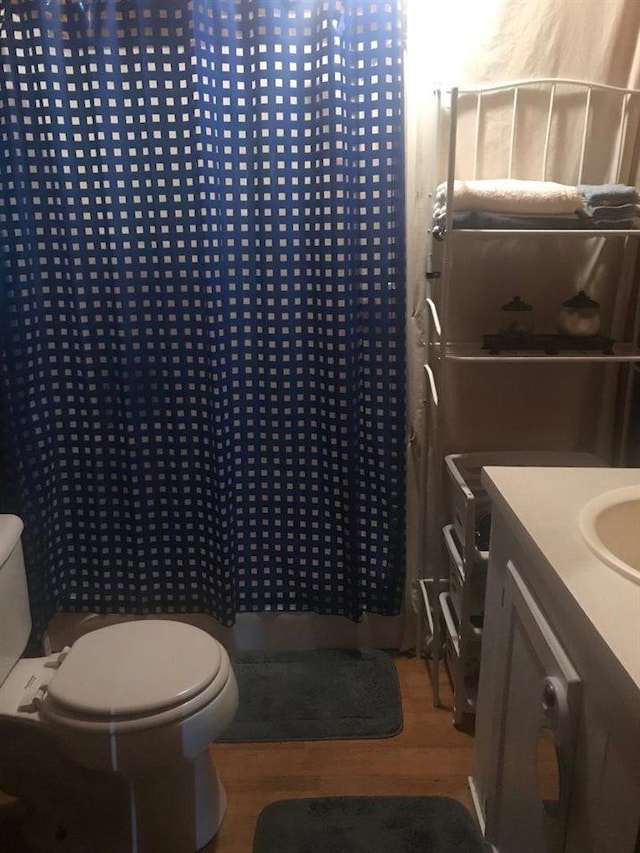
(15, 616)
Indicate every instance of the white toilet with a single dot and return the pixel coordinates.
(108, 738)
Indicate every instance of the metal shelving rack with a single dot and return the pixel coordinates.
(442, 627)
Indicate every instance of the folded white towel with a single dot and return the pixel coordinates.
(511, 196)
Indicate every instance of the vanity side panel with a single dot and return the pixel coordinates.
(487, 729)
(542, 692)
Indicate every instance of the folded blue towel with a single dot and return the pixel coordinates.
(618, 224)
(486, 219)
(612, 212)
(606, 194)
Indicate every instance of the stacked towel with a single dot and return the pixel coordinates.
(523, 198)
(534, 205)
(603, 204)
(482, 219)
(610, 194)
(528, 205)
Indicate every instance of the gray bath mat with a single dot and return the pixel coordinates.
(367, 825)
(324, 694)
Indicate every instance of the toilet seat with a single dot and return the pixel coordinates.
(136, 675)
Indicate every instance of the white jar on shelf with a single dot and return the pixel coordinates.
(579, 316)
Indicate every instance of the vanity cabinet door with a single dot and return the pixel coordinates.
(537, 717)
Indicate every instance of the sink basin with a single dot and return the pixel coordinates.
(610, 525)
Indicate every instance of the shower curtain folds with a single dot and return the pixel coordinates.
(203, 304)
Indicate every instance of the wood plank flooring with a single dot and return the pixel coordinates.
(429, 757)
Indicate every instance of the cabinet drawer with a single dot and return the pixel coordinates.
(469, 504)
(466, 582)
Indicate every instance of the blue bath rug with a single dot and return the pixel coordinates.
(323, 694)
(367, 825)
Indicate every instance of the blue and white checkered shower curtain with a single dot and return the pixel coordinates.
(203, 303)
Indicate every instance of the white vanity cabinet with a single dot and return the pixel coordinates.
(556, 765)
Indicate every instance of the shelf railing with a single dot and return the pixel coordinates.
(471, 351)
(551, 86)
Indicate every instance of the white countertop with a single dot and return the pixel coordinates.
(547, 502)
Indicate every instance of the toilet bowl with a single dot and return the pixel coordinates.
(132, 706)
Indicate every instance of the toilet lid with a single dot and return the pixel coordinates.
(137, 667)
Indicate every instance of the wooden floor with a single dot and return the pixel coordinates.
(428, 757)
